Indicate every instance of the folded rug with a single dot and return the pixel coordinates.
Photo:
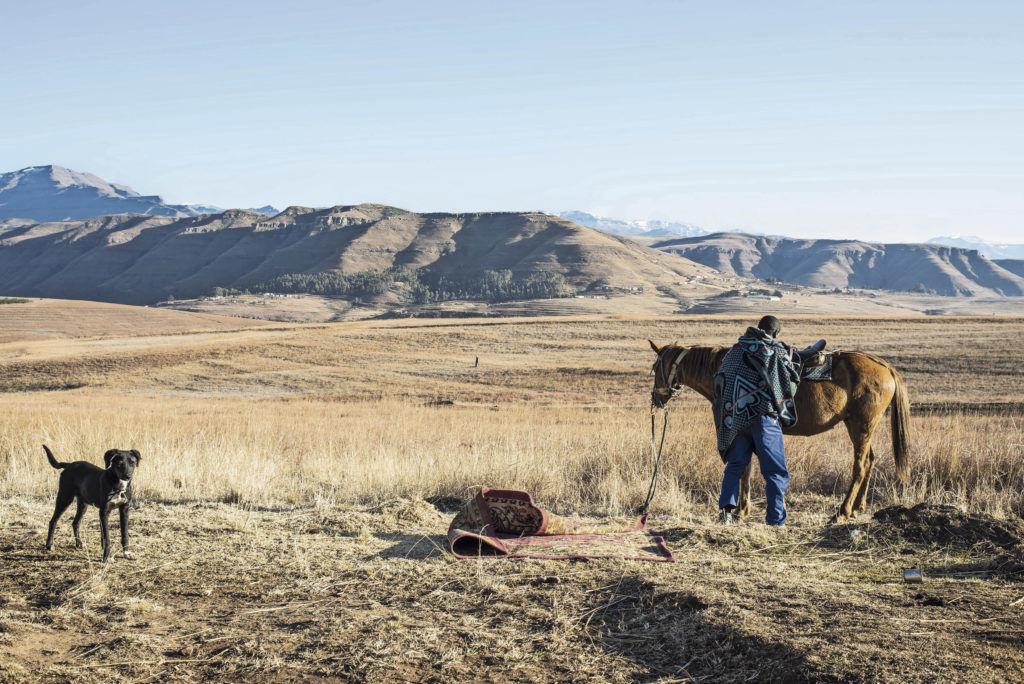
(504, 523)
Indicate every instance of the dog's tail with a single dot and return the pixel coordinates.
(54, 462)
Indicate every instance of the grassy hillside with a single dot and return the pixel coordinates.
(924, 268)
(137, 259)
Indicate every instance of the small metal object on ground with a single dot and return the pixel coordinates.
(913, 575)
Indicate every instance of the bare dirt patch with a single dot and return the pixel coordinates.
(985, 546)
(939, 524)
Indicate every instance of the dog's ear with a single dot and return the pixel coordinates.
(111, 453)
(137, 455)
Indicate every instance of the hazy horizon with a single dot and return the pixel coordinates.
(894, 122)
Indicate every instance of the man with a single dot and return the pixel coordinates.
(753, 401)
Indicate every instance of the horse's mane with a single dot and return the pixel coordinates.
(701, 361)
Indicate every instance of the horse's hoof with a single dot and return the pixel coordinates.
(128, 555)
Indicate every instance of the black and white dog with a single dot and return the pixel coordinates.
(94, 486)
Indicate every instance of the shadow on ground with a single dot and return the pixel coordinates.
(413, 546)
(678, 635)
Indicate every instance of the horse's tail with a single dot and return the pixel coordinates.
(899, 414)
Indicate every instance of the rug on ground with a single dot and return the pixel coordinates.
(504, 523)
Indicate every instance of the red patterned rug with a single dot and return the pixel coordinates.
(504, 523)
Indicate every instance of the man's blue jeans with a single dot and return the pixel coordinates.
(764, 438)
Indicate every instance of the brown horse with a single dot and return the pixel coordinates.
(862, 387)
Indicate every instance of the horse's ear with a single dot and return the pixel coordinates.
(654, 347)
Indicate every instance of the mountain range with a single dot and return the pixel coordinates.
(121, 246)
(932, 268)
(136, 259)
(54, 193)
(631, 227)
(993, 250)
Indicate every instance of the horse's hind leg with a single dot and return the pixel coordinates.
(862, 495)
(860, 435)
(743, 505)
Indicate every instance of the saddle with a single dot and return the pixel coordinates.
(813, 363)
(813, 355)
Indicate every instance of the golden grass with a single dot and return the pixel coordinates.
(364, 412)
(41, 319)
(274, 452)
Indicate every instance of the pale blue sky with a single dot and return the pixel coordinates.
(879, 120)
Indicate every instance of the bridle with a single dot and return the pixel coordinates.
(666, 378)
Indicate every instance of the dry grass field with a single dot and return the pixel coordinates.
(297, 481)
(43, 319)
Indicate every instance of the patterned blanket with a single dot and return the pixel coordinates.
(756, 379)
(504, 523)
(822, 371)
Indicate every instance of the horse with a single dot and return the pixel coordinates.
(862, 387)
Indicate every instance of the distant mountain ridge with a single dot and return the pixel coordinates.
(54, 193)
(131, 258)
(938, 269)
(993, 250)
(651, 228)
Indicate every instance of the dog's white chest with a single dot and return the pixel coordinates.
(120, 495)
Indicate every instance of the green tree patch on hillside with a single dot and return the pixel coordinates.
(14, 300)
(491, 286)
(417, 286)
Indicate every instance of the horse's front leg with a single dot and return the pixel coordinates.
(743, 505)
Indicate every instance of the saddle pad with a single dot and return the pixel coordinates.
(822, 371)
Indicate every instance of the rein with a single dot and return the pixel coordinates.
(657, 459)
(656, 452)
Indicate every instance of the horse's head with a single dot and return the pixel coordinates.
(667, 382)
